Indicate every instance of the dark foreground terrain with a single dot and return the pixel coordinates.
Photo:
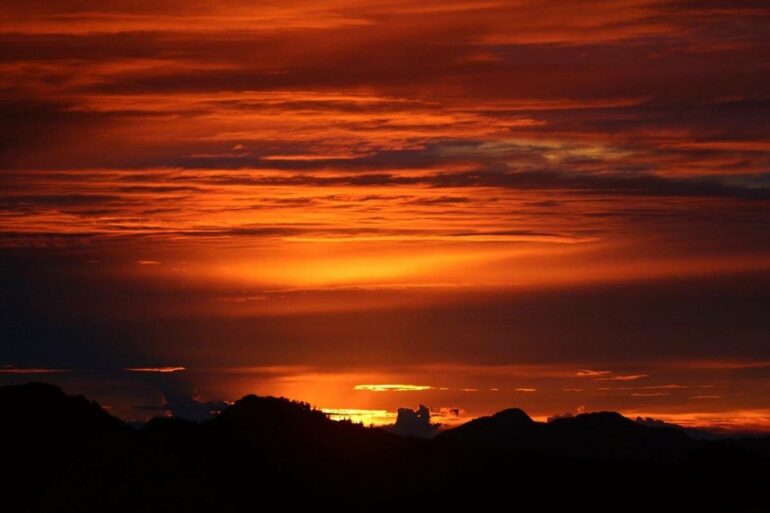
(63, 453)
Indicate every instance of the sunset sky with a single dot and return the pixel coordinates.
(473, 205)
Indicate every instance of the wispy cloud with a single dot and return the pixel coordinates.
(32, 370)
(624, 377)
(393, 388)
(588, 373)
(162, 370)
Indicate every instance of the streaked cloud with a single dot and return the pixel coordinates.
(31, 370)
(625, 377)
(162, 370)
(393, 388)
(588, 373)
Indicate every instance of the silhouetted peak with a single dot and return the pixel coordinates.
(603, 423)
(603, 416)
(611, 436)
(272, 407)
(42, 405)
(29, 394)
(513, 416)
(272, 416)
(508, 429)
(43, 431)
(599, 418)
(600, 435)
(510, 419)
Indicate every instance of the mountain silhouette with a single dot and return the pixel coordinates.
(610, 436)
(66, 454)
(42, 432)
(594, 436)
(507, 430)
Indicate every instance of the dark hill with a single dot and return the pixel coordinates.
(507, 430)
(43, 430)
(267, 424)
(36, 406)
(66, 454)
(592, 436)
(610, 436)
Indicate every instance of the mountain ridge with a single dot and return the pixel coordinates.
(289, 456)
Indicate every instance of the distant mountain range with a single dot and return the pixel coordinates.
(604, 436)
(66, 454)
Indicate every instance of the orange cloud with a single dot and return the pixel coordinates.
(592, 373)
(31, 370)
(627, 377)
(162, 370)
(393, 388)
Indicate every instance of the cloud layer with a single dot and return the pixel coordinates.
(465, 182)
